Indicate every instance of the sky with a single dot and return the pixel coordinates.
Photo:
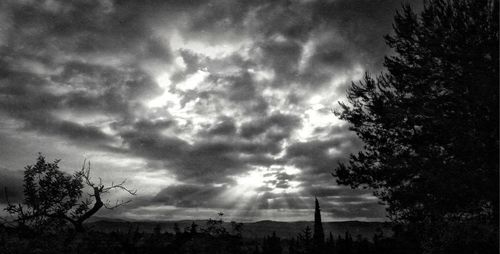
(203, 106)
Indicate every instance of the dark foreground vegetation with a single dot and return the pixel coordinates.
(212, 237)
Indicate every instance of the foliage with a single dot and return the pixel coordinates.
(53, 198)
(430, 126)
(48, 194)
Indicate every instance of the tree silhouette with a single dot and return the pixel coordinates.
(305, 241)
(53, 198)
(319, 234)
(430, 125)
(271, 245)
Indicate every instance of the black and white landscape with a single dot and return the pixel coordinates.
(221, 126)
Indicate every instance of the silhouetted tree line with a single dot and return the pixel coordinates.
(312, 241)
(192, 240)
(213, 238)
(210, 238)
(341, 244)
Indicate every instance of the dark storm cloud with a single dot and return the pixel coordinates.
(334, 130)
(193, 63)
(36, 112)
(241, 87)
(83, 27)
(189, 195)
(215, 197)
(291, 20)
(154, 146)
(226, 127)
(281, 123)
(283, 57)
(332, 191)
(216, 161)
(361, 23)
(210, 161)
(76, 132)
(36, 64)
(341, 198)
(281, 201)
(371, 210)
(82, 71)
(344, 34)
(104, 89)
(332, 208)
(145, 125)
(257, 18)
(283, 180)
(91, 89)
(215, 20)
(238, 89)
(319, 157)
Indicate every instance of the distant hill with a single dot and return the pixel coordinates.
(258, 229)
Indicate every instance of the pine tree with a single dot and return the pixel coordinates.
(430, 126)
(304, 241)
(193, 230)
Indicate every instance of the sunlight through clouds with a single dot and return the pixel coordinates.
(199, 110)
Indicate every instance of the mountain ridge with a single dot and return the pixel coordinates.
(258, 229)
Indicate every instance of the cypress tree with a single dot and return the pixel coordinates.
(319, 235)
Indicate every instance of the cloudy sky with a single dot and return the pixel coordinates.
(204, 106)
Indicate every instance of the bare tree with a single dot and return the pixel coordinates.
(53, 198)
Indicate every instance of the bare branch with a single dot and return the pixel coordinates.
(119, 186)
(117, 204)
(75, 209)
(83, 165)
